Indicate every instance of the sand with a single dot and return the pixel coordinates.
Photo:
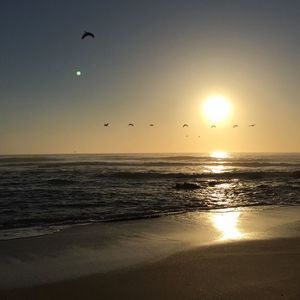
(265, 268)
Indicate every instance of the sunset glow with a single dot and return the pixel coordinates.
(205, 68)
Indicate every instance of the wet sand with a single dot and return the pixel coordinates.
(255, 255)
(266, 269)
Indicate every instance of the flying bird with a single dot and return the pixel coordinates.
(106, 124)
(252, 125)
(151, 125)
(235, 126)
(86, 33)
(130, 124)
(213, 126)
(185, 125)
(198, 136)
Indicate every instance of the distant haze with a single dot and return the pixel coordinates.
(150, 62)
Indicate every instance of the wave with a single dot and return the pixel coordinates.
(77, 220)
(225, 175)
(33, 159)
(174, 162)
(56, 181)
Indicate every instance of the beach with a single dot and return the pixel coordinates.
(254, 254)
(244, 270)
(149, 150)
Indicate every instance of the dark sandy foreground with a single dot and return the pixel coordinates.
(267, 269)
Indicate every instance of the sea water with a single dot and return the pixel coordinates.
(41, 194)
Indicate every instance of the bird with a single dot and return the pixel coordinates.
(106, 124)
(213, 126)
(252, 125)
(151, 125)
(198, 136)
(86, 33)
(185, 125)
(234, 126)
(130, 124)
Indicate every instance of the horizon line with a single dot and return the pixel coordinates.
(141, 153)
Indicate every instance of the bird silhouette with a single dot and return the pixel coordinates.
(106, 124)
(252, 125)
(151, 125)
(235, 126)
(185, 125)
(213, 126)
(198, 136)
(86, 33)
(130, 124)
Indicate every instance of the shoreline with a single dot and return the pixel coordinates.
(99, 252)
(55, 229)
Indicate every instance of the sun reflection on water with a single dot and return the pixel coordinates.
(216, 169)
(227, 224)
(219, 154)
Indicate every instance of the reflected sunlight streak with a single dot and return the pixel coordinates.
(227, 224)
(219, 154)
(216, 169)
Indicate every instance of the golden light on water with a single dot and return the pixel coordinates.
(227, 224)
(219, 154)
(216, 108)
(216, 169)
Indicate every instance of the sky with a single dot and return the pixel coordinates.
(150, 62)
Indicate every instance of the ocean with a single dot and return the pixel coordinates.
(42, 194)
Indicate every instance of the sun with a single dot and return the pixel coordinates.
(216, 108)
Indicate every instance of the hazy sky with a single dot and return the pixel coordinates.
(151, 62)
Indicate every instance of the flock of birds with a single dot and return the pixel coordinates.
(92, 35)
(184, 125)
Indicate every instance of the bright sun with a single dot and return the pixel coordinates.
(216, 108)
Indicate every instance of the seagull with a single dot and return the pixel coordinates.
(234, 126)
(106, 124)
(130, 124)
(185, 125)
(151, 125)
(252, 125)
(86, 33)
(213, 126)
